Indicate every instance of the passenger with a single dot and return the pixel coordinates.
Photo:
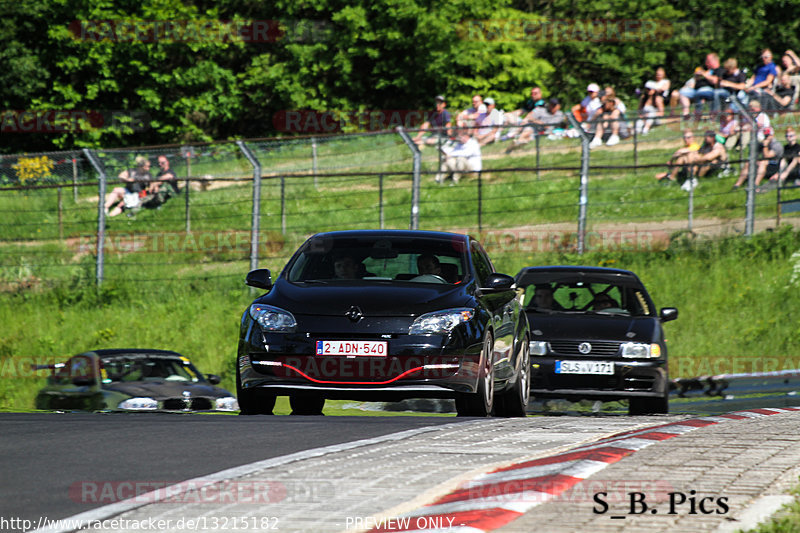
(604, 301)
(429, 264)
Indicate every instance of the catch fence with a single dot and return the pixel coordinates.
(250, 203)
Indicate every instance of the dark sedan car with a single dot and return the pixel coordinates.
(132, 380)
(384, 316)
(596, 334)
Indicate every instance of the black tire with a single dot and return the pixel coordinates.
(648, 406)
(307, 404)
(253, 402)
(480, 402)
(514, 402)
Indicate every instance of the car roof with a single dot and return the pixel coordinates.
(393, 233)
(116, 352)
(533, 275)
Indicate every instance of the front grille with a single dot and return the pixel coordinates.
(195, 404)
(599, 348)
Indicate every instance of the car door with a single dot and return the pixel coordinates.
(503, 306)
(81, 391)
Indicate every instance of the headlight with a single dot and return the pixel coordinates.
(637, 350)
(272, 318)
(440, 322)
(538, 347)
(138, 404)
(228, 403)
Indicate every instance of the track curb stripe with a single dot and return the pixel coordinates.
(491, 500)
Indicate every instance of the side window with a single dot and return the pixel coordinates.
(483, 267)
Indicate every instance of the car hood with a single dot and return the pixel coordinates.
(592, 327)
(373, 298)
(162, 390)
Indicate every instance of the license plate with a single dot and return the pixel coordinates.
(585, 367)
(353, 348)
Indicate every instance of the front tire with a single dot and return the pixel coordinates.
(253, 402)
(307, 405)
(514, 402)
(480, 402)
(648, 406)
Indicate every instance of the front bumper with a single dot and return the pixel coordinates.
(416, 366)
(631, 378)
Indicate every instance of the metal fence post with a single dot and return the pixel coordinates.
(536, 136)
(415, 187)
(256, 203)
(584, 188)
(380, 200)
(101, 213)
(750, 209)
(314, 160)
(187, 152)
(75, 178)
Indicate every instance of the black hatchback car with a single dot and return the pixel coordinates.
(385, 315)
(596, 334)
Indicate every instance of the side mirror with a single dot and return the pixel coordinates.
(260, 278)
(213, 379)
(498, 282)
(668, 313)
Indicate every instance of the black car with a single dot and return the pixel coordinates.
(596, 334)
(132, 380)
(385, 315)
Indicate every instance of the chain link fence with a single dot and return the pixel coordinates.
(252, 202)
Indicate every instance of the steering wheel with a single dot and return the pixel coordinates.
(429, 278)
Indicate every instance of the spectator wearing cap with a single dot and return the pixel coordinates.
(770, 152)
(711, 156)
(541, 120)
(514, 118)
(590, 105)
(610, 120)
(437, 125)
(489, 125)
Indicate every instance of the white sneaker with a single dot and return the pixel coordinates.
(597, 141)
(614, 139)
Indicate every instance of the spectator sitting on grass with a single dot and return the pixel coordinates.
(711, 156)
(163, 188)
(489, 125)
(437, 125)
(541, 120)
(679, 158)
(763, 77)
(608, 120)
(651, 102)
(464, 156)
(514, 118)
(780, 98)
(791, 154)
(589, 106)
(770, 152)
(130, 196)
(472, 115)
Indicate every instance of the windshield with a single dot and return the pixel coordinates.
(133, 368)
(368, 259)
(587, 296)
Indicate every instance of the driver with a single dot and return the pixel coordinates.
(429, 264)
(604, 301)
(543, 297)
(345, 267)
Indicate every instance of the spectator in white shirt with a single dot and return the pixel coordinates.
(463, 157)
